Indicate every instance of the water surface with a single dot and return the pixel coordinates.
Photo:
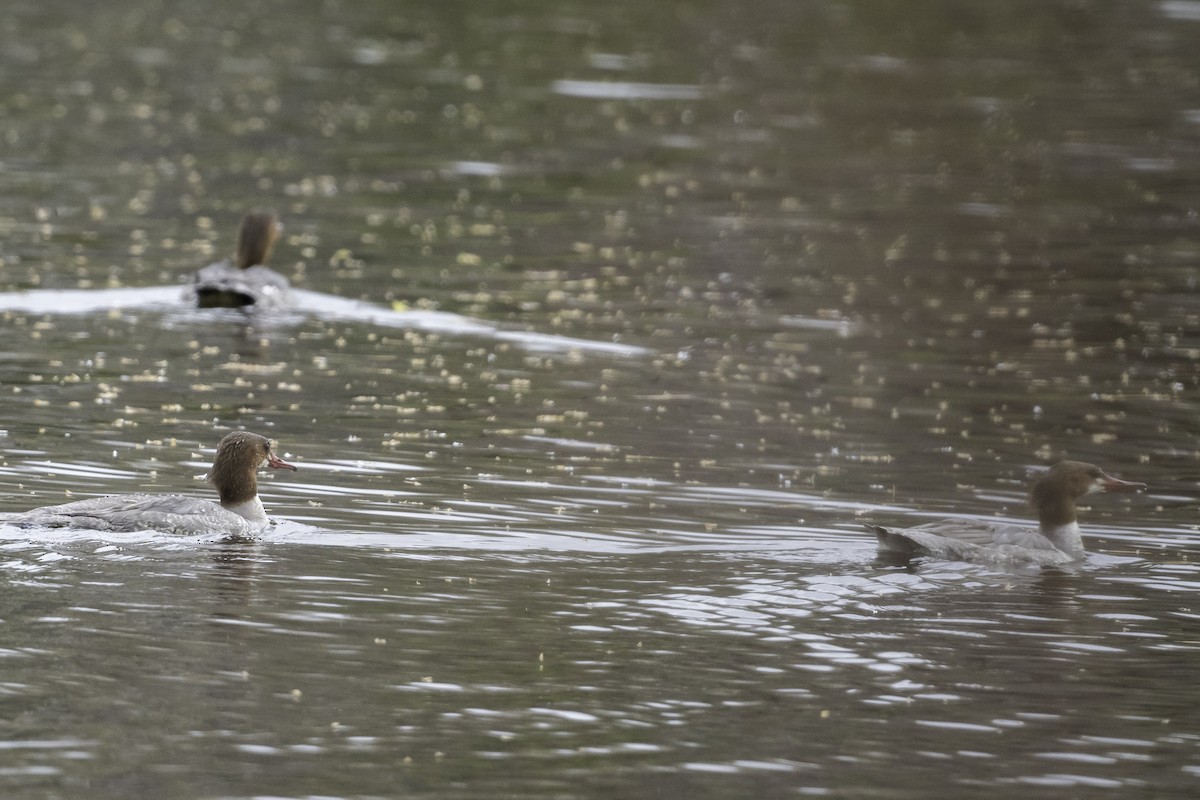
(615, 324)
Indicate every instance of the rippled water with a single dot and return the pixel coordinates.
(615, 324)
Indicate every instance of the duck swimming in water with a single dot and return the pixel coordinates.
(1057, 539)
(245, 282)
(239, 513)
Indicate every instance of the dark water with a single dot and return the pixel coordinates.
(660, 301)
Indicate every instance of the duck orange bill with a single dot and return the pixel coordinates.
(1112, 484)
(275, 462)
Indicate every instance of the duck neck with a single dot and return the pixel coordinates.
(236, 489)
(255, 239)
(1057, 516)
(251, 509)
(1064, 536)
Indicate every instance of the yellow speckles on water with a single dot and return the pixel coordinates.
(345, 265)
(896, 250)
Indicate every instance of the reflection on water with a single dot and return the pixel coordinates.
(688, 293)
(632, 663)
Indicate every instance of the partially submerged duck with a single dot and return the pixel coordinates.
(1057, 539)
(246, 281)
(239, 513)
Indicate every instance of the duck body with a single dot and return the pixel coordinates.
(223, 285)
(1056, 540)
(166, 513)
(245, 281)
(979, 541)
(239, 513)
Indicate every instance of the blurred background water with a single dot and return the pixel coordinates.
(717, 281)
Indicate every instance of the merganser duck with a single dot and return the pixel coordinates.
(240, 512)
(1056, 541)
(244, 282)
